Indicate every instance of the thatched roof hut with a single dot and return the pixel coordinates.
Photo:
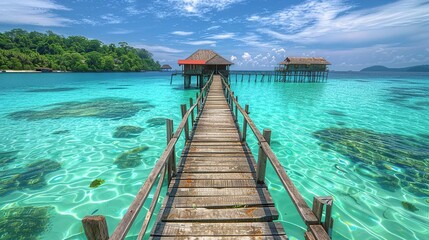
(304, 64)
(305, 61)
(205, 60)
(166, 67)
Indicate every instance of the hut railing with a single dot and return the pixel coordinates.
(166, 163)
(311, 217)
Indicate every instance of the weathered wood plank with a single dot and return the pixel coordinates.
(231, 168)
(192, 183)
(319, 232)
(215, 176)
(221, 201)
(209, 192)
(282, 237)
(249, 214)
(218, 229)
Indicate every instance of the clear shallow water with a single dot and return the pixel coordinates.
(321, 133)
(361, 138)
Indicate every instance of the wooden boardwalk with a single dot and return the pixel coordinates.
(215, 193)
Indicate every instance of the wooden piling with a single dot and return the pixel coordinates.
(243, 137)
(183, 108)
(95, 227)
(262, 158)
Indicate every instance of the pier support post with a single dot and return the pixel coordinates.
(262, 158)
(236, 109)
(198, 103)
(318, 204)
(183, 108)
(243, 137)
(95, 227)
(191, 103)
(171, 163)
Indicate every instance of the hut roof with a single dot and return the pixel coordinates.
(204, 56)
(305, 60)
(166, 66)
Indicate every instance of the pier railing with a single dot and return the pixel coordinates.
(316, 229)
(95, 226)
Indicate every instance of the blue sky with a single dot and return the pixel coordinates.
(254, 34)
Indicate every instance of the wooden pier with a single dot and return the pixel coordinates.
(217, 190)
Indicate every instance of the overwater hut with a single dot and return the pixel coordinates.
(303, 69)
(202, 64)
(166, 67)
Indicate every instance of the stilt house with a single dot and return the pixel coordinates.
(202, 64)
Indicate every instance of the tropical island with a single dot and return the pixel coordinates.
(22, 50)
(379, 68)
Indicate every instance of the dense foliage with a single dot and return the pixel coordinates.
(22, 50)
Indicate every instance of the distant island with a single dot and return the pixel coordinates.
(22, 50)
(378, 68)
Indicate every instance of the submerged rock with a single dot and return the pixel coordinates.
(409, 206)
(60, 132)
(23, 222)
(336, 113)
(31, 177)
(131, 158)
(113, 108)
(65, 89)
(96, 183)
(7, 157)
(156, 122)
(392, 160)
(127, 131)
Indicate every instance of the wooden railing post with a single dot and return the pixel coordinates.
(183, 108)
(318, 204)
(191, 103)
(198, 103)
(95, 228)
(171, 163)
(243, 137)
(236, 109)
(231, 98)
(262, 158)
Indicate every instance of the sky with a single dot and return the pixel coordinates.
(253, 34)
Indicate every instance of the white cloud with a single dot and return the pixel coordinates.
(89, 21)
(213, 27)
(111, 18)
(335, 22)
(132, 10)
(246, 56)
(202, 42)
(233, 58)
(222, 36)
(121, 31)
(32, 12)
(199, 7)
(157, 48)
(182, 33)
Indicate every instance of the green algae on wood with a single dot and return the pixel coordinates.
(127, 131)
(409, 206)
(131, 158)
(23, 222)
(394, 161)
(112, 108)
(96, 183)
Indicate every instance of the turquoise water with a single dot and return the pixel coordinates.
(361, 138)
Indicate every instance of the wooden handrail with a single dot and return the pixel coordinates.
(135, 207)
(304, 210)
